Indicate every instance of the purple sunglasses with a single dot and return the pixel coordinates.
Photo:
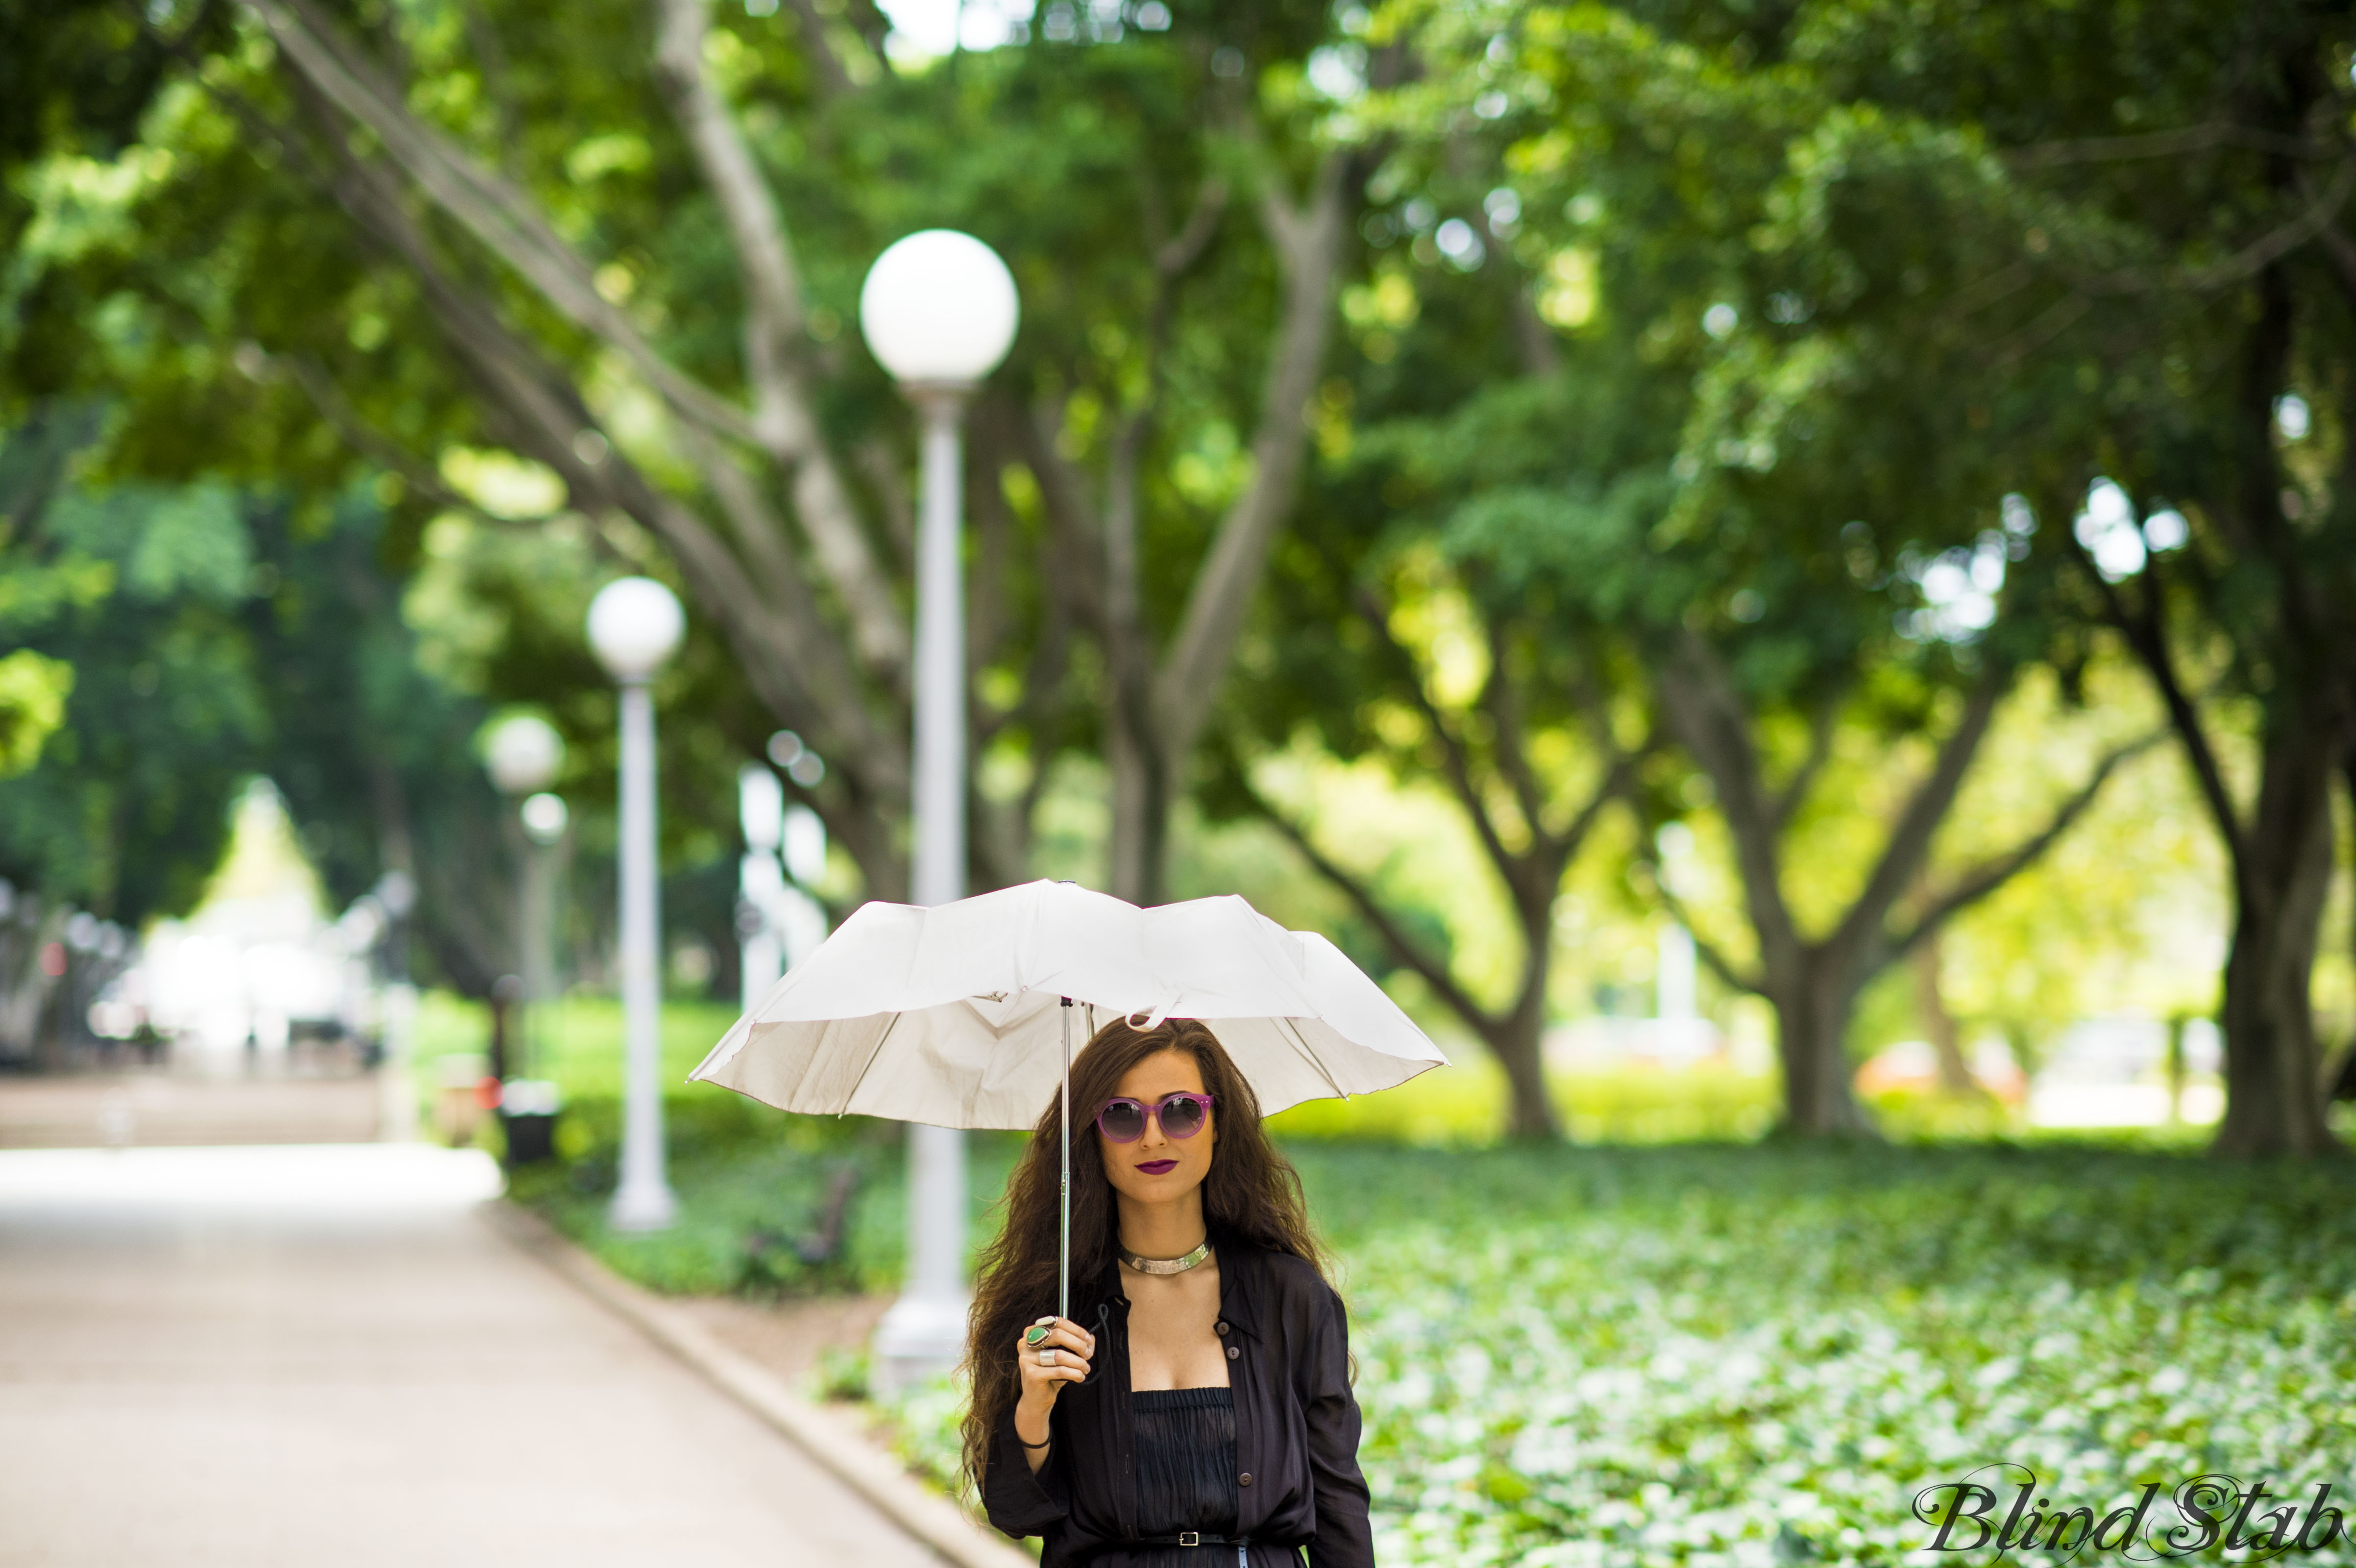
(1181, 1115)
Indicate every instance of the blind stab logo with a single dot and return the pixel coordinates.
(1972, 1514)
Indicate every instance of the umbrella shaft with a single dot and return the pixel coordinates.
(1063, 1233)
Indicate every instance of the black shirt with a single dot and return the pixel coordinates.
(1185, 1471)
(1296, 1429)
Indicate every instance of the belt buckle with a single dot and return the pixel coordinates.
(1190, 1538)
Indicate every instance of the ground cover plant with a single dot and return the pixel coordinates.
(1710, 1353)
(1760, 1355)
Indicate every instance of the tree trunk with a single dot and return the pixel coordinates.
(1938, 1024)
(1518, 1041)
(2274, 1089)
(24, 1001)
(1141, 812)
(1812, 1015)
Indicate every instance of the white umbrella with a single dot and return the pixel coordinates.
(958, 1015)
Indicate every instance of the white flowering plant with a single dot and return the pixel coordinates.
(1728, 1355)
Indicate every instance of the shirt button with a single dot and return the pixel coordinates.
(1244, 1480)
(1234, 1351)
(1223, 1328)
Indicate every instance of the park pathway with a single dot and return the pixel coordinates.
(327, 1358)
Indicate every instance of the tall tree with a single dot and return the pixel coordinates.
(2228, 559)
(639, 279)
(2171, 234)
(1805, 543)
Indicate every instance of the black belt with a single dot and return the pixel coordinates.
(1183, 1537)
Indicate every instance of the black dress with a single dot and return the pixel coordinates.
(1293, 1422)
(1185, 1472)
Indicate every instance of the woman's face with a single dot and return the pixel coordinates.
(1158, 1168)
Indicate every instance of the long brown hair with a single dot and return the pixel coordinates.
(1252, 1195)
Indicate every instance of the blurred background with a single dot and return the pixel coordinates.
(1780, 573)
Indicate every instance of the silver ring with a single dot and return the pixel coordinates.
(1048, 1356)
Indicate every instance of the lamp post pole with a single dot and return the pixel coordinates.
(643, 1201)
(925, 1329)
(525, 752)
(544, 820)
(940, 311)
(938, 874)
(634, 624)
(761, 811)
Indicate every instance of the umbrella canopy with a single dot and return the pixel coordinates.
(952, 1015)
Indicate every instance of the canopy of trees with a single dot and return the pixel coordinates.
(1617, 418)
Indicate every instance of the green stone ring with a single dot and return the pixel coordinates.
(1033, 1334)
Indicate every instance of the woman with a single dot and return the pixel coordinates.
(1195, 1410)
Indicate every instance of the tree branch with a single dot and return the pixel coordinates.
(1981, 293)
(1909, 841)
(491, 65)
(1178, 254)
(2049, 323)
(1063, 496)
(1507, 727)
(783, 422)
(2147, 636)
(2156, 144)
(797, 669)
(1822, 725)
(1707, 951)
(1459, 761)
(833, 80)
(1699, 702)
(1362, 899)
(497, 213)
(2245, 264)
(1308, 244)
(1993, 874)
(371, 442)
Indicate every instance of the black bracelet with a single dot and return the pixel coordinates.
(1018, 1438)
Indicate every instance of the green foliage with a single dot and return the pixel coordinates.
(577, 1042)
(1464, 1106)
(752, 1184)
(1702, 1354)
(123, 601)
(191, 634)
(33, 690)
(1684, 1357)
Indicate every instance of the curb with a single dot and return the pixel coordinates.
(843, 1452)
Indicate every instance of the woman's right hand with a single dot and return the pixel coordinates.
(1074, 1347)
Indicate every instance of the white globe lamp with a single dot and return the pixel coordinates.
(634, 623)
(524, 754)
(545, 817)
(938, 310)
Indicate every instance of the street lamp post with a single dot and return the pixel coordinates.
(938, 311)
(760, 881)
(545, 818)
(634, 625)
(778, 923)
(525, 752)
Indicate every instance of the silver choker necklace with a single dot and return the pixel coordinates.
(1166, 1265)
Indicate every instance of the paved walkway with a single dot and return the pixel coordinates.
(156, 1108)
(325, 1357)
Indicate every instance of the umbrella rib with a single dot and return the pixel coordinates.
(1291, 1032)
(869, 1065)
